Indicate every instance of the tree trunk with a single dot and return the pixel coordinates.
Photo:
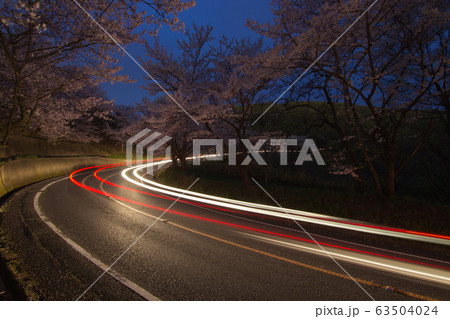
(174, 160)
(389, 182)
(183, 163)
(243, 169)
(15, 103)
(359, 183)
(245, 180)
(5, 138)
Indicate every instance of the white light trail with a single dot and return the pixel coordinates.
(273, 211)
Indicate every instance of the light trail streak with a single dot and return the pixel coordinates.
(279, 213)
(439, 274)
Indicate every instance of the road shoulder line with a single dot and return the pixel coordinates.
(116, 275)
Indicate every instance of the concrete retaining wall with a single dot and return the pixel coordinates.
(21, 146)
(24, 171)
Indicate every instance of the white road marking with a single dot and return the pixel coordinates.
(116, 275)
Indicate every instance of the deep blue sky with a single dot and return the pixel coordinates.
(228, 17)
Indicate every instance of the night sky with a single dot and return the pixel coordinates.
(228, 17)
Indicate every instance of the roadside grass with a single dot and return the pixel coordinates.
(118, 156)
(316, 194)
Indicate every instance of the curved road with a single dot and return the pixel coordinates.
(163, 248)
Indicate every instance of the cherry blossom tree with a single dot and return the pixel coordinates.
(41, 41)
(375, 79)
(238, 89)
(186, 78)
(220, 87)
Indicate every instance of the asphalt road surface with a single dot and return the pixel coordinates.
(70, 234)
